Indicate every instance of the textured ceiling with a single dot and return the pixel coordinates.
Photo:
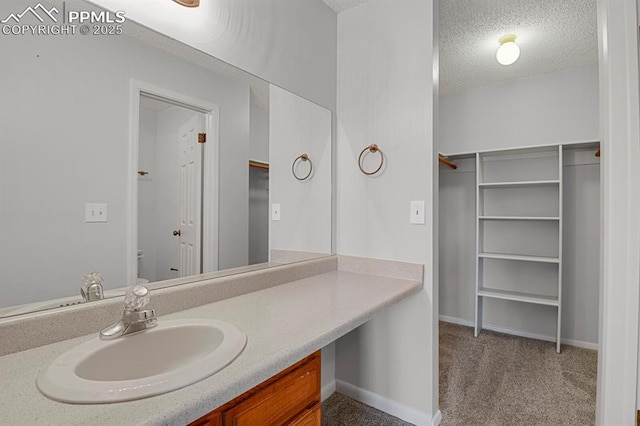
(552, 34)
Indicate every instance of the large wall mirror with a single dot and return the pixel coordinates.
(148, 161)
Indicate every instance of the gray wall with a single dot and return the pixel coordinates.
(65, 131)
(258, 215)
(297, 126)
(385, 96)
(533, 112)
(548, 108)
(259, 186)
(290, 43)
(259, 145)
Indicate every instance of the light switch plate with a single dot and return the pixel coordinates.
(95, 212)
(417, 213)
(275, 212)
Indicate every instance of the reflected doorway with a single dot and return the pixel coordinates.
(170, 189)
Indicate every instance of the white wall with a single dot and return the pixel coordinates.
(297, 126)
(385, 95)
(65, 126)
(290, 43)
(552, 108)
(543, 109)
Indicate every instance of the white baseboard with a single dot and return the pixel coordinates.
(408, 414)
(327, 390)
(436, 419)
(499, 329)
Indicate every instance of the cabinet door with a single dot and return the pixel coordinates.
(212, 419)
(280, 402)
(311, 417)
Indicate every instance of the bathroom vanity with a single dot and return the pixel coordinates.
(291, 397)
(288, 313)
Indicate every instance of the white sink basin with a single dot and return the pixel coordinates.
(172, 355)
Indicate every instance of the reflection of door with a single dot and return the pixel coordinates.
(190, 199)
(176, 188)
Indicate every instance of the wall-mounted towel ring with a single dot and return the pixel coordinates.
(373, 148)
(302, 157)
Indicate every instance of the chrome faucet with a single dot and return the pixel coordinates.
(91, 288)
(133, 319)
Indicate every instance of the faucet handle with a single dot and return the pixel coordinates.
(136, 298)
(91, 288)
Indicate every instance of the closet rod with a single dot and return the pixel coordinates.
(447, 162)
(258, 165)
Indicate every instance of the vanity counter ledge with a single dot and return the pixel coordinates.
(283, 324)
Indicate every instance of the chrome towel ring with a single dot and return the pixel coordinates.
(373, 148)
(303, 158)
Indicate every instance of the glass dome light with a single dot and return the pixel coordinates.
(509, 51)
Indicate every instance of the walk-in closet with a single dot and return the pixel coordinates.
(519, 216)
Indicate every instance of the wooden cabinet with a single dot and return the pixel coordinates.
(311, 417)
(292, 397)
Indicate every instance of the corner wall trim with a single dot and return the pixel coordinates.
(436, 419)
(327, 390)
(514, 332)
(382, 403)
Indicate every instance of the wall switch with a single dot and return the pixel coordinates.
(417, 212)
(275, 212)
(94, 212)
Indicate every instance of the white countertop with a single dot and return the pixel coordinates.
(283, 325)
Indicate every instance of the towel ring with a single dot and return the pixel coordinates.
(373, 148)
(303, 157)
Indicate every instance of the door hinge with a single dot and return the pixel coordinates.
(202, 138)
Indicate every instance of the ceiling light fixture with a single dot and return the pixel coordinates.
(188, 3)
(508, 52)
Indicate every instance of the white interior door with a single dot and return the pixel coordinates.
(190, 196)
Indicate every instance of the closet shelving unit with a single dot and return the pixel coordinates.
(514, 185)
(485, 289)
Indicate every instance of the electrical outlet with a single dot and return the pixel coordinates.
(95, 212)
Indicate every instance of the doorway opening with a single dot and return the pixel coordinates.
(170, 161)
(174, 214)
(518, 261)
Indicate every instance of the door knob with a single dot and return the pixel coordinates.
(177, 233)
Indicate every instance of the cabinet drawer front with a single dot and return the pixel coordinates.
(311, 417)
(280, 402)
(212, 419)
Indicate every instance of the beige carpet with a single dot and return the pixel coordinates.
(498, 379)
(340, 410)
